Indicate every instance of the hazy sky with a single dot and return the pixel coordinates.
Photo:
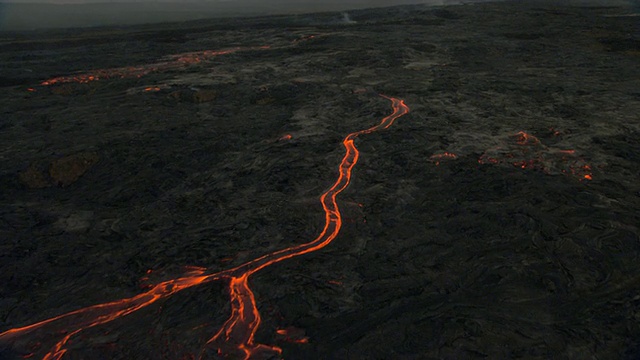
(391, 2)
(272, 2)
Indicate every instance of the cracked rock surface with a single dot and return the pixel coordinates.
(220, 158)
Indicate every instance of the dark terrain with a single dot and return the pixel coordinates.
(499, 219)
(65, 13)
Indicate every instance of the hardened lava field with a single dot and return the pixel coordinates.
(238, 188)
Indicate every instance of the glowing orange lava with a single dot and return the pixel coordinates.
(437, 158)
(172, 62)
(525, 151)
(235, 338)
(522, 138)
(293, 334)
(239, 330)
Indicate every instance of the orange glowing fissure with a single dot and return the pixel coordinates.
(236, 336)
(171, 63)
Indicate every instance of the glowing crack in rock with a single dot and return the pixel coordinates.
(525, 151)
(173, 62)
(437, 158)
(236, 337)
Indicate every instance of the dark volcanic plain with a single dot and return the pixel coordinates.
(518, 247)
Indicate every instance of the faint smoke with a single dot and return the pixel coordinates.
(346, 19)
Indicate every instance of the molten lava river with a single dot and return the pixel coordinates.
(155, 180)
(235, 338)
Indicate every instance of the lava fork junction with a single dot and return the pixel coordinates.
(235, 338)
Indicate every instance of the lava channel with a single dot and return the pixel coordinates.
(235, 339)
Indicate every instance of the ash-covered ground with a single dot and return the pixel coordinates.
(498, 219)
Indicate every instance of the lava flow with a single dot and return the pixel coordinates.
(526, 151)
(171, 63)
(236, 336)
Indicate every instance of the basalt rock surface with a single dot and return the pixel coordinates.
(498, 219)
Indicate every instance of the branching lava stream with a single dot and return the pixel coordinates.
(235, 338)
